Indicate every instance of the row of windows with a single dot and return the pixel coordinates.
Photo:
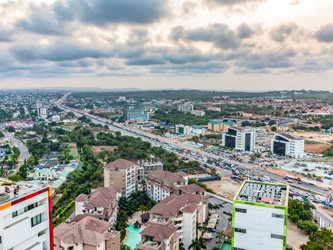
(237, 248)
(240, 230)
(281, 216)
(241, 210)
(274, 236)
(27, 208)
(36, 220)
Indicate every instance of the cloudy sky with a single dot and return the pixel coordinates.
(154, 44)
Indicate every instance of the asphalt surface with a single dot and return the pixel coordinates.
(223, 221)
(24, 154)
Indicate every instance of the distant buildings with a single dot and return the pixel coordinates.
(219, 126)
(212, 108)
(55, 118)
(135, 112)
(240, 138)
(198, 112)
(19, 124)
(86, 233)
(260, 214)
(25, 216)
(284, 144)
(186, 107)
(121, 175)
(102, 204)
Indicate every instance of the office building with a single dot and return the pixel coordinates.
(121, 175)
(259, 217)
(86, 233)
(219, 126)
(102, 204)
(135, 113)
(183, 213)
(240, 138)
(161, 184)
(181, 129)
(25, 216)
(284, 144)
(186, 107)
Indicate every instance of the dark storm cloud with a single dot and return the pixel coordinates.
(219, 34)
(244, 31)
(325, 34)
(103, 12)
(280, 33)
(58, 51)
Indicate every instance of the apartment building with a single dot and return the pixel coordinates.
(25, 216)
(146, 167)
(159, 237)
(183, 213)
(212, 108)
(198, 112)
(240, 138)
(259, 218)
(102, 203)
(186, 107)
(87, 233)
(284, 144)
(218, 126)
(121, 175)
(161, 184)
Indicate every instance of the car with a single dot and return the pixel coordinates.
(289, 181)
(300, 182)
(221, 205)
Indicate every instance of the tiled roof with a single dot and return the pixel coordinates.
(120, 164)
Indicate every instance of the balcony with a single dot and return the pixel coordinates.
(159, 220)
(150, 245)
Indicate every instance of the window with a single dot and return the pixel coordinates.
(31, 206)
(36, 220)
(281, 216)
(237, 248)
(0, 239)
(276, 236)
(240, 230)
(14, 214)
(241, 210)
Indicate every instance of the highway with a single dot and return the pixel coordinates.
(24, 154)
(161, 140)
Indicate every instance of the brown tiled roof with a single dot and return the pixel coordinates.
(167, 176)
(101, 197)
(190, 208)
(89, 231)
(182, 174)
(192, 188)
(119, 164)
(81, 197)
(158, 232)
(79, 217)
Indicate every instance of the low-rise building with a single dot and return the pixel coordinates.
(186, 107)
(181, 129)
(219, 126)
(212, 108)
(86, 234)
(44, 174)
(102, 203)
(198, 112)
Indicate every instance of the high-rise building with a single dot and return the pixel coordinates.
(135, 112)
(259, 217)
(121, 175)
(25, 216)
(284, 144)
(240, 138)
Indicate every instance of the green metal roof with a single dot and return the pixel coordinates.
(215, 122)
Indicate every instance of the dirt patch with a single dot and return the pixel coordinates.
(295, 237)
(226, 188)
(97, 149)
(316, 148)
(313, 136)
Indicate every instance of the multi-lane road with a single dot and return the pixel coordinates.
(24, 154)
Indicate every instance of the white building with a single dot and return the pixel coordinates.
(186, 107)
(284, 144)
(240, 138)
(42, 111)
(25, 211)
(55, 118)
(198, 112)
(181, 129)
(259, 217)
(102, 203)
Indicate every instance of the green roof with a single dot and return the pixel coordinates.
(196, 127)
(215, 122)
(57, 183)
(65, 173)
(229, 123)
(44, 171)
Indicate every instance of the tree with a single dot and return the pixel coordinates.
(271, 123)
(14, 178)
(220, 236)
(197, 244)
(274, 129)
(308, 226)
(321, 240)
(253, 157)
(125, 247)
(1, 134)
(181, 245)
(11, 130)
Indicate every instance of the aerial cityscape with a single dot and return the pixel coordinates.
(166, 125)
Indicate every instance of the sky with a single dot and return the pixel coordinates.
(159, 44)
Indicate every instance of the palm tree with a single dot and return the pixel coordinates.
(220, 236)
(181, 245)
(197, 244)
(144, 185)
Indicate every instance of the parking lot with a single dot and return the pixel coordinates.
(223, 221)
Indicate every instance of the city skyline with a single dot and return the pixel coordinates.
(200, 44)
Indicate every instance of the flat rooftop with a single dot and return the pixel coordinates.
(263, 193)
(22, 189)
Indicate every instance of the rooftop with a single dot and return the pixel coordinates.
(17, 190)
(263, 193)
(120, 164)
(288, 136)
